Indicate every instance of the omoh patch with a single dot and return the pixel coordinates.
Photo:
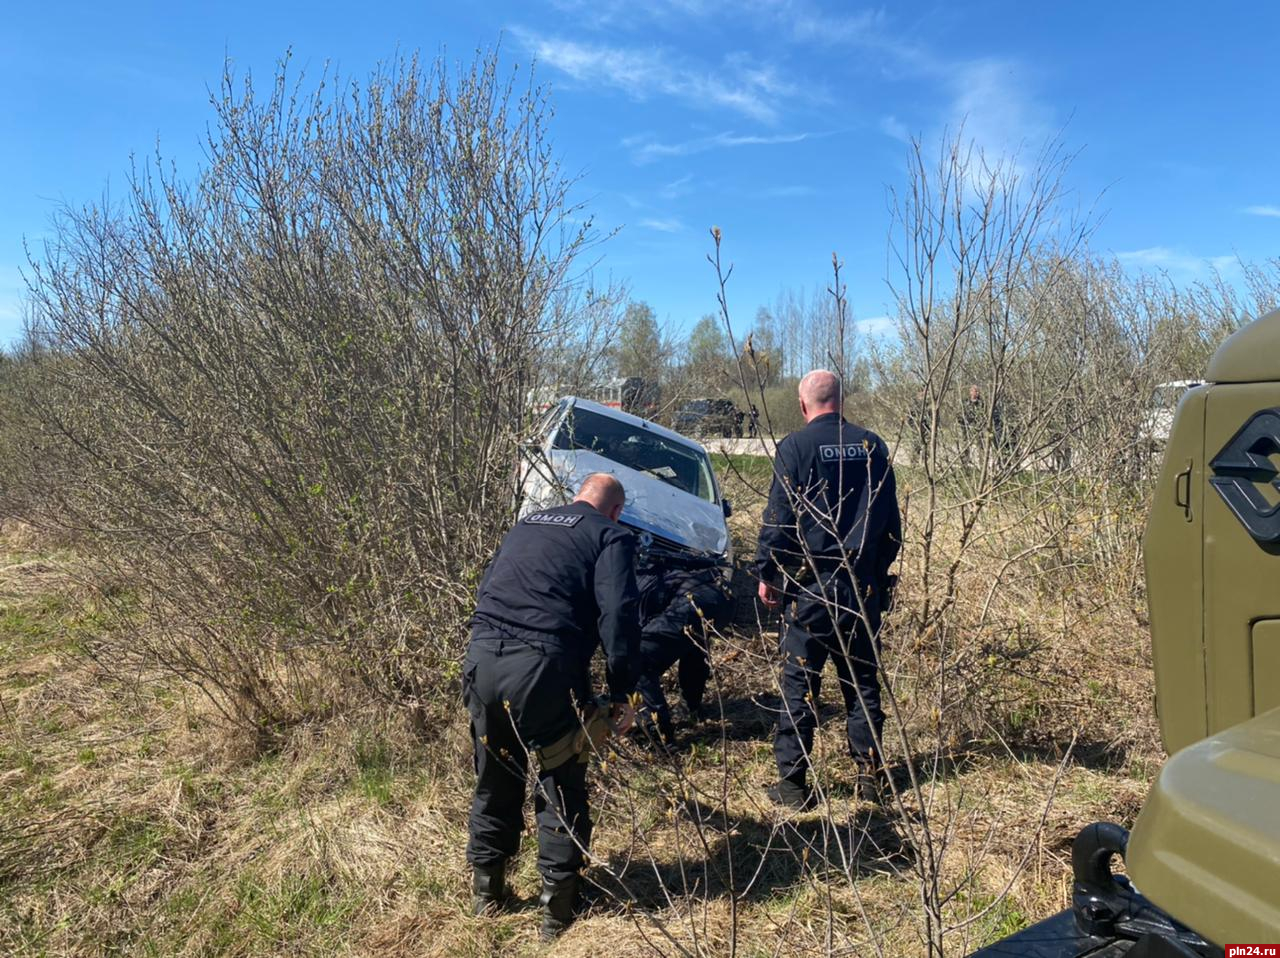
(842, 452)
(565, 519)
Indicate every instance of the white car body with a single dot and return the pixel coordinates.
(675, 498)
(1158, 422)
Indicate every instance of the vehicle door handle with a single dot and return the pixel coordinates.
(1182, 490)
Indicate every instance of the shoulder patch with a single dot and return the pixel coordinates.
(838, 452)
(565, 519)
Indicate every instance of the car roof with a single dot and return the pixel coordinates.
(636, 421)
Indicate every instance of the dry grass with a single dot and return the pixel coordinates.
(133, 822)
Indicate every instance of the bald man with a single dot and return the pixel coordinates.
(562, 582)
(831, 530)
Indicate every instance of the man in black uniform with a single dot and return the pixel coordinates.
(676, 607)
(562, 582)
(831, 530)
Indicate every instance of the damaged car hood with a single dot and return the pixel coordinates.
(652, 505)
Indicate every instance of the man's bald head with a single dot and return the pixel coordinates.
(819, 393)
(604, 493)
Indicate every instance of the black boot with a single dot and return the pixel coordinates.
(688, 714)
(559, 901)
(489, 889)
(792, 792)
(869, 780)
(658, 734)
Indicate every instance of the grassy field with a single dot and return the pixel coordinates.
(132, 822)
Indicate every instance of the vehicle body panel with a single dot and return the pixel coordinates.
(1205, 850)
(1206, 846)
(1158, 421)
(1173, 553)
(550, 475)
(707, 417)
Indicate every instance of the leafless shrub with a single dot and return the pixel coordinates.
(282, 400)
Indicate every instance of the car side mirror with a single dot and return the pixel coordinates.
(727, 506)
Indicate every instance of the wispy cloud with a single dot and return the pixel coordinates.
(892, 127)
(876, 326)
(741, 84)
(1263, 210)
(599, 14)
(1176, 262)
(645, 149)
(800, 20)
(810, 24)
(992, 99)
(677, 188)
(670, 225)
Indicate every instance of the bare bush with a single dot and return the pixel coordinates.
(281, 400)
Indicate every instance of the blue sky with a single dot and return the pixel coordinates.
(781, 121)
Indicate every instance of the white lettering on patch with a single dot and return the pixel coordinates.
(845, 451)
(553, 519)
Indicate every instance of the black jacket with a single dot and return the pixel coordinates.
(565, 577)
(833, 496)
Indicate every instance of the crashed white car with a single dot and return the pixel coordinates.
(1157, 423)
(684, 556)
(673, 499)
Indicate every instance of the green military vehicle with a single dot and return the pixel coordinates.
(1203, 860)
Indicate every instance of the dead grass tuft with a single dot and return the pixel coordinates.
(132, 819)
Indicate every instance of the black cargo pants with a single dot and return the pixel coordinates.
(660, 651)
(828, 622)
(522, 696)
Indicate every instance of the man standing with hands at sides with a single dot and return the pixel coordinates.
(562, 582)
(831, 530)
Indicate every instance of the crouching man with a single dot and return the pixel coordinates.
(562, 582)
(680, 608)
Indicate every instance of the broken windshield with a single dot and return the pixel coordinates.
(637, 448)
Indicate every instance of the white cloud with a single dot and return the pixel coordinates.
(740, 84)
(800, 20)
(645, 149)
(1262, 210)
(1176, 262)
(877, 326)
(677, 188)
(670, 225)
(892, 127)
(809, 24)
(992, 99)
(600, 14)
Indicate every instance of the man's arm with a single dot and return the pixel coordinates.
(488, 570)
(618, 600)
(881, 533)
(778, 544)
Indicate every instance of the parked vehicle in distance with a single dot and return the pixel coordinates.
(709, 417)
(631, 394)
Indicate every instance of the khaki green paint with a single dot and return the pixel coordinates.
(1249, 355)
(1266, 665)
(1172, 550)
(1241, 577)
(1206, 847)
